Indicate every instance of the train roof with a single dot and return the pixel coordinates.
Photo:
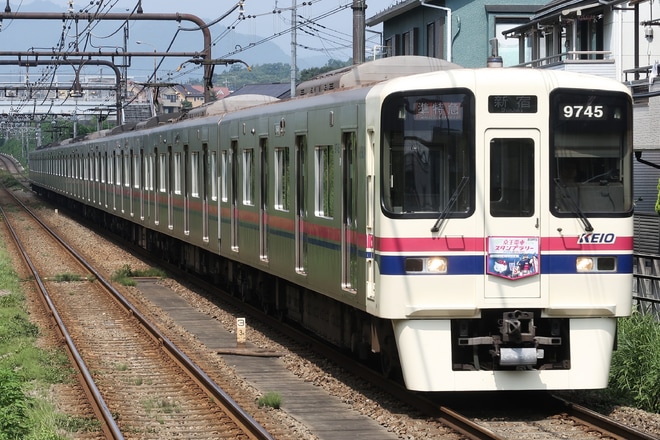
(372, 72)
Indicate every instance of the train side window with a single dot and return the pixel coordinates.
(194, 179)
(177, 173)
(324, 184)
(118, 169)
(137, 178)
(162, 176)
(282, 179)
(248, 176)
(213, 159)
(224, 176)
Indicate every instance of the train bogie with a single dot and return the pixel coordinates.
(470, 227)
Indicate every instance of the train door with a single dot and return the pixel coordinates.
(188, 174)
(349, 233)
(512, 214)
(133, 181)
(301, 209)
(171, 183)
(142, 182)
(204, 192)
(233, 166)
(263, 200)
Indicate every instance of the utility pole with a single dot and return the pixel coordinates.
(294, 44)
(359, 6)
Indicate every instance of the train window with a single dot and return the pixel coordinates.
(194, 178)
(177, 173)
(282, 179)
(118, 169)
(324, 185)
(137, 178)
(149, 173)
(127, 170)
(224, 176)
(512, 177)
(591, 153)
(214, 175)
(248, 176)
(428, 154)
(111, 174)
(162, 172)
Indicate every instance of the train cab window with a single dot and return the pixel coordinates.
(428, 154)
(591, 154)
(512, 177)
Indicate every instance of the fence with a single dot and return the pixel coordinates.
(646, 284)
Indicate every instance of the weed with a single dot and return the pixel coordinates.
(270, 399)
(64, 277)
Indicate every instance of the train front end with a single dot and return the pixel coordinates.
(503, 242)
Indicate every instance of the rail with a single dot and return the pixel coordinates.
(646, 284)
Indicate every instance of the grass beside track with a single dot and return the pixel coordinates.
(28, 372)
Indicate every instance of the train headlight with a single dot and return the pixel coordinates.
(596, 264)
(436, 264)
(426, 265)
(584, 264)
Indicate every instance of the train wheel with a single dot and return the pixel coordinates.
(389, 359)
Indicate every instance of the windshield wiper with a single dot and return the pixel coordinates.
(576, 207)
(450, 204)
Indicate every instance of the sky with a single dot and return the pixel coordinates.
(328, 32)
(334, 17)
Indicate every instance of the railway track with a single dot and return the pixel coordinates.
(565, 420)
(142, 385)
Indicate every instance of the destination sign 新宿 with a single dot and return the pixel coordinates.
(512, 104)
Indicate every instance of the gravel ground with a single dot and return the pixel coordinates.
(382, 408)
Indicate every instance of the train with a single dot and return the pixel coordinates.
(462, 229)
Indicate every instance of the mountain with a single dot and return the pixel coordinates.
(115, 36)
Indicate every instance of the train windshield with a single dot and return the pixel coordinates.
(427, 154)
(591, 154)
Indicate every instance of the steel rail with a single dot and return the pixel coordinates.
(240, 416)
(110, 427)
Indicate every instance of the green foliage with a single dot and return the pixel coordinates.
(237, 75)
(635, 370)
(123, 276)
(271, 399)
(307, 74)
(63, 277)
(13, 406)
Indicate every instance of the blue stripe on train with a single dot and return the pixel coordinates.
(475, 264)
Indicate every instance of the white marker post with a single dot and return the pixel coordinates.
(241, 334)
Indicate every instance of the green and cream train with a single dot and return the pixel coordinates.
(470, 227)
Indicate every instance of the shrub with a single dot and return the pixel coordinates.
(13, 406)
(635, 370)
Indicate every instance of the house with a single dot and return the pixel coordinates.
(453, 30)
